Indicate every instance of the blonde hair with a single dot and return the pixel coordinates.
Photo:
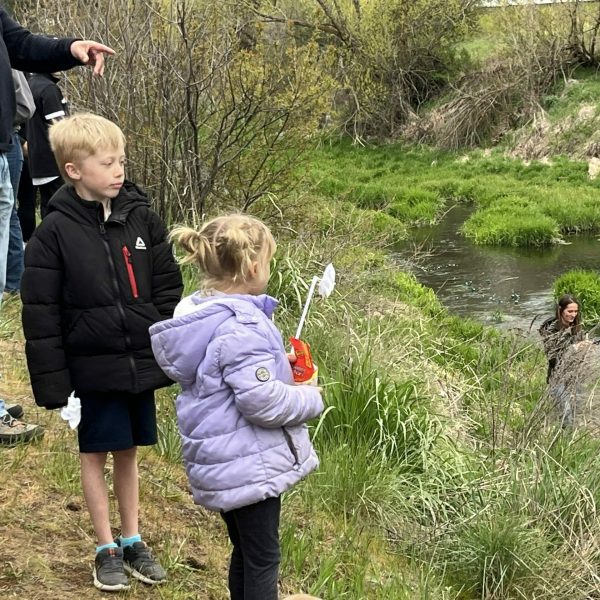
(226, 247)
(80, 136)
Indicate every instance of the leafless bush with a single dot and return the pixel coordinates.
(584, 34)
(214, 110)
(486, 104)
(533, 55)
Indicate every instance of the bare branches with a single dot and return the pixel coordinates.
(211, 103)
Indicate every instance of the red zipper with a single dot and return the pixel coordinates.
(130, 272)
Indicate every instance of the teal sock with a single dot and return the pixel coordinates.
(104, 546)
(129, 541)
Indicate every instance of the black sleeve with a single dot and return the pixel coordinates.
(51, 103)
(167, 285)
(41, 295)
(35, 53)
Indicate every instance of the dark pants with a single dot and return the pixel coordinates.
(26, 201)
(46, 192)
(254, 567)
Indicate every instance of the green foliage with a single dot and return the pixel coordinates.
(406, 288)
(342, 565)
(169, 440)
(585, 286)
(221, 113)
(511, 223)
(391, 55)
(517, 204)
(495, 556)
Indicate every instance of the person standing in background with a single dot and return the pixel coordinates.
(559, 333)
(50, 107)
(25, 110)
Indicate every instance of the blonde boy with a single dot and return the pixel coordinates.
(98, 272)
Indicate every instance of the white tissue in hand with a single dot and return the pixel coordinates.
(72, 411)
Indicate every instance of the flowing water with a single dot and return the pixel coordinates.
(510, 287)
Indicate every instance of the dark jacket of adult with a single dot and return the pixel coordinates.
(90, 291)
(24, 51)
(557, 341)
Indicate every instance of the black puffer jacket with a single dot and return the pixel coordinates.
(91, 289)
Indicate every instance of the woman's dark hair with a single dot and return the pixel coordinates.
(561, 304)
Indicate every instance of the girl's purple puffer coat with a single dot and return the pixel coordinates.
(241, 418)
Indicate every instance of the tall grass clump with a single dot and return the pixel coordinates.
(373, 429)
(511, 224)
(169, 440)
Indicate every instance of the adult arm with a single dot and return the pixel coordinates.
(42, 54)
(41, 295)
(249, 368)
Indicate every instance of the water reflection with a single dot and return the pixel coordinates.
(511, 285)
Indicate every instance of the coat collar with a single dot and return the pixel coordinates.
(69, 203)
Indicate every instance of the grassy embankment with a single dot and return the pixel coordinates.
(438, 479)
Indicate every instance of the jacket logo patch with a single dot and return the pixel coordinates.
(262, 374)
(140, 244)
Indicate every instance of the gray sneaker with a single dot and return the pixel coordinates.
(109, 574)
(14, 432)
(14, 410)
(142, 565)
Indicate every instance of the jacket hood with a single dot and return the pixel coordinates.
(68, 202)
(180, 344)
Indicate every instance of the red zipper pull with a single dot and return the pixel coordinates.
(130, 271)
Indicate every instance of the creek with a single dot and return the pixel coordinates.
(508, 287)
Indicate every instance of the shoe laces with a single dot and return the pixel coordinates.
(112, 562)
(145, 554)
(9, 421)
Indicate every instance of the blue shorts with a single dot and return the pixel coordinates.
(116, 421)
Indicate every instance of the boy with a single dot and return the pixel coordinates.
(98, 272)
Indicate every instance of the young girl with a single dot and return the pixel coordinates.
(559, 333)
(241, 417)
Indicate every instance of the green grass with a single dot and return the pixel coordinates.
(516, 204)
